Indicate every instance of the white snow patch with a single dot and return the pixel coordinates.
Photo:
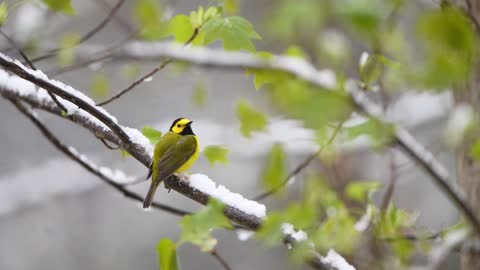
(148, 79)
(337, 261)
(206, 185)
(459, 121)
(363, 223)
(244, 235)
(363, 59)
(137, 137)
(298, 235)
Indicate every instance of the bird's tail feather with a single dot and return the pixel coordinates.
(151, 193)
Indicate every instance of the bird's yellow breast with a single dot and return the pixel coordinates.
(192, 159)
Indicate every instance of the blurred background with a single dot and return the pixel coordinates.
(56, 215)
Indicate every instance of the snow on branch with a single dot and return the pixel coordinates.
(82, 110)
(322, 78)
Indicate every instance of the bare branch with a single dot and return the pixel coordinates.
(387, 198)
(86, 36)
(299, 168)
(221, 260)
(148, 75)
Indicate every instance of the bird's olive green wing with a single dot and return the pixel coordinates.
(175, 155)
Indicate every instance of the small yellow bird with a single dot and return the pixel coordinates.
(176, 151)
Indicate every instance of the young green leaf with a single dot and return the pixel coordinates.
(475, 150)
(3, 12)
(296, 51)
(64, 6)
(276, 170)
(230, 6)
(235, 32)
(149, 15)
(250, 119)
(152, 134)
(66, 55)
(197, 228)
(379, 133)
(181, 27)
(216, 153)
(361, 190)
(167, 255)
(271, 230)
(200, 94)
(101, 86)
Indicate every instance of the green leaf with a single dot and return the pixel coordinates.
(131, 71)
(216, 153)
(337, 232)
(393, 222)
(152, 134)
(271, 230)
(101, 86)
(361, 190)
(380, 133)
(167, 255)
(292, 19)
(3, 12)
(475, 150)
(296, 51)
(200, 94)
(235, 32)
(275, 171)
(197, 228)
(250, 119)
(449, 43)
(66, 55)
(230, 6)
(149, 15)
(64, 6)
(371, 70)
(363, 16)
(181, 27)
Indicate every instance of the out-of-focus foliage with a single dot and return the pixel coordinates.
(200, 94)
(150, 17)
(3, 12)
(167, 255)
(152, 134)
(216, 154)
(66, 55)
(101, 86)
(197, 228)
(64, 6)
(275, 171)
(361, 190)
(251, 120)
(379, 133)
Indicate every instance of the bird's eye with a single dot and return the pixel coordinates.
(178, 125)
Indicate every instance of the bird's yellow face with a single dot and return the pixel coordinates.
(182, 126)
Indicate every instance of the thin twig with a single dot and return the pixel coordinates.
(300, 167)
(74, 156)
(86, 36)
(30, 64)
(19, 50)
(149, 74)
(387, 198)
(221, 260)
(109, 146)
(118, 19)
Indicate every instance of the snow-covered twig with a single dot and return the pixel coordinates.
(248, 214)
(440, 253)
(322, 78)
(114, 178)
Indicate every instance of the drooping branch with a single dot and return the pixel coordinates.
(10, 87)
(322, 78)
(114, 179)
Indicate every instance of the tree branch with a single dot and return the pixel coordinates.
(87, 35)
(148, 75)
(320, 78)
(178, 182)
(103, 173)
(220, 259)
(300, 167)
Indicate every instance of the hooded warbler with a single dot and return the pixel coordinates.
(176, 151)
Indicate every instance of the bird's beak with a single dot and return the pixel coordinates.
(189, 123)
